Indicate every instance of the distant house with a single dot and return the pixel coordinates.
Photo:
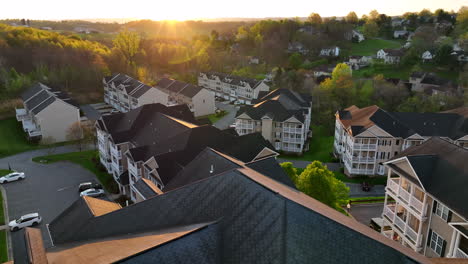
(401, 33)
(46, 28)
(397, 22)
(354, 35)
(330, 52)
(310, 30)
(427, 56)
(390, 56)
(358, 62)
(200, 101)
(297, 47)
(323, 70)
(254, 60)
(47, 113)
(431, 84)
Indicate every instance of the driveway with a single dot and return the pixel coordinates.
(48, 189)
(355, 190)
(365, 212)
(228, 119)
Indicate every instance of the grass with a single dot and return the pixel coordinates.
(3, 234)
(88, 160)
(13, 139)
(320, 147)
(214, 117)
(377, 180)
(371, 46)
(390, 71)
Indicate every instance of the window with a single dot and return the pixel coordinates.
(442, 211)
(397, 142)
(436, 243)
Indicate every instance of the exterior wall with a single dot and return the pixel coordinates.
(153, 96)
(267, 129)
(204, 103)
(56, 119)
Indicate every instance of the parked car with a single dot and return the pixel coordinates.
(233, 125)
(88, 185)
(92, 192)
(14, 176)
(365, 186)
(25, 221)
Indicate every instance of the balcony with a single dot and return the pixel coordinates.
(389, 213)
(459, 253)
(293, 140)
(362, 171)
(115, 152)
(363, 159)
(406, 197)
(399, 223)
(292, 130)
(289, 149)
(244, 126)
(357, 146)
(21, 114)
(411, 234)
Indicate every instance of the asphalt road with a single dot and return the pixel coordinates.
(228, 119)
(48, 189)
(365, 212)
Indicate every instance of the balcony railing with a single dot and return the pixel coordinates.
(292, 130)
(389, 213)
(364, 159)
(364, 146)
(416, 204)
(362, 171)
(293, 140)
(115, 152)
(244, 126)
(298, 150)
(400, 223)
(21, 114)
(404, 194)
(459, 253)
(393, 186)
(413, 235)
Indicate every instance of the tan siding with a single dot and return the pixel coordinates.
(203, 103)
(153, 96)
(56, 119)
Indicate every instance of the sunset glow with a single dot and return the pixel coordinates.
(184, 10)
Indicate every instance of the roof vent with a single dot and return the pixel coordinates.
(424, 123)
(211, 169)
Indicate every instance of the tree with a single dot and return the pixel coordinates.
(315, 19)
(320, 183)
(128, 44)
(290, 170)
(370, 29)
(340, 70)
(352, 18)
(89, 135)
(295, 60)
(373, 14)
(75, 133)
(443, 55)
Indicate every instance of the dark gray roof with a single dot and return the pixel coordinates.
(175, 86)
(39, 96)
(37, 99)
(43, 105)
(405, 124)
(394, 52)
(144, 189)
(442, 169)
(233, 79)
(36, 88)
(132, 86)
(90, 112)
(270, 167)
(273, 109)
(257, 223)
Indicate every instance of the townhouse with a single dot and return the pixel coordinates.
(426, 205)
(367, 137)
(199, 100)
(47, 113)
(330, 51)
(235, 213)
(283, 118)
(145, 148)
(431, 84)
(298, 47)
(124, 93)
(358, 62)
(231, 87)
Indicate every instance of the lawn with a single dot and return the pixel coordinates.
(87, 159)
(390, 71)
(13, 139)
(371, 46)
(320, 147)
(3, 237)
(377, 180)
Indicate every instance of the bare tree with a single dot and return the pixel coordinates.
(75, 133)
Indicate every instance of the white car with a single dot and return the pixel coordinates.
(92, 192)
(25, 221)
(14, 176)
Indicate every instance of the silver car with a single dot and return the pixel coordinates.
(92, 192)
(25, 221)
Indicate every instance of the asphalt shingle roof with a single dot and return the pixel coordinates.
(442, 169)
(259, 221)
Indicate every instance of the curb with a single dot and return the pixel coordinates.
(5, 207)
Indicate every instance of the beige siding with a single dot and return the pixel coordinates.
(203, 103)
(153, 96)
(406, 167)
(267, 129)
(56, 119)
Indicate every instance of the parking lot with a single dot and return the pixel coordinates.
(48, 189)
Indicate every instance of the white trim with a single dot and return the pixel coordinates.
(275, 154)
(50, 236)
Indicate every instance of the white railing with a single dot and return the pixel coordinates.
(244, 126)
(400, 223)
(292, 130)
(365, 146)
(293, 140)
(393, 186)
(389, 213)
(460, 254)
(416, 204)
(412, 234)
(34, 133)
(115, 152)
(363, 159)
(362, 171)
(292, 149)
(405, 195)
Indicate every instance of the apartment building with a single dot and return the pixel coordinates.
(47, 113)
(234, 213)
(426, 205)
(282, 117)
(199, 100)
(124, 93)
(231, 87)
(366, 137)
(146, 147)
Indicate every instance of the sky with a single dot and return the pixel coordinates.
(199, 9)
